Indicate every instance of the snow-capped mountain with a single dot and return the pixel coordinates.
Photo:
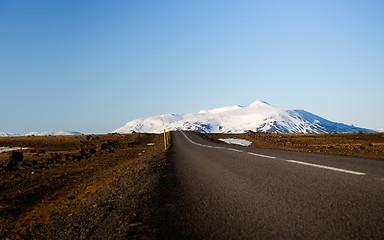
(52, 133)
(45, 133)
(7, 134)
(258, 117)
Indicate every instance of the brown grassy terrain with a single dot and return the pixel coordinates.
(79, 186)
(355, 145)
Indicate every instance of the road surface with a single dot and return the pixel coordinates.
(221, 191)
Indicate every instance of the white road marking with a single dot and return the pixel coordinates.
(198, 144)
(271, 157)
(261, 155)
(235, 150)
(207, 146)
(326, 167)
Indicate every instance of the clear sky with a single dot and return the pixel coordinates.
(91, 66)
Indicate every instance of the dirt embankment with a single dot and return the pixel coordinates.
(355, 145)
(80, 187)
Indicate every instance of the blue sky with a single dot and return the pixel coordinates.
(91, 66)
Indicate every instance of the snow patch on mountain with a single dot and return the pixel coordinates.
(53, 133)
(221, 110)
(258, 117)
(7, 134)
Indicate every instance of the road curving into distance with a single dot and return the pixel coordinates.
(220, 191)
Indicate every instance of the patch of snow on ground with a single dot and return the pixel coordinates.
(236, 141)
(9, 149)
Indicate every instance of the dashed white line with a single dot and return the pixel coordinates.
(261, 155)
(235, 150)
(326, 167)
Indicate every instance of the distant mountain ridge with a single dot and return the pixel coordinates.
(53, 133)
(7, 134)
(45, 133)
(258, 117)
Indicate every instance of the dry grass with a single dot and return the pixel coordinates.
(59, 175)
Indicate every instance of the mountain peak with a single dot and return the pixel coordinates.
(259, 103)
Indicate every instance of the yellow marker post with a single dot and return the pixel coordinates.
(165, 141)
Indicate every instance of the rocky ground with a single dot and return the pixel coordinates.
(81, 187)
(355, 145)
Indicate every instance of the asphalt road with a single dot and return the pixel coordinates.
(220, 191)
